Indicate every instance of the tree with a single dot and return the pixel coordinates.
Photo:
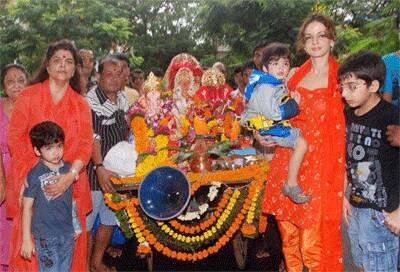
(371, 25)
(27, 27)
(162, 28)
(243, 24)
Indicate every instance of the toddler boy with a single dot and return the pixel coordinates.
(268, 109)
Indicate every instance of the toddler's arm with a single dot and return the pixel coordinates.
(28, 247)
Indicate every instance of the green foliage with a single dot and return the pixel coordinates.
(379, 36)
(27, 27)
(151, 32)
(243, 24)
(162, 28)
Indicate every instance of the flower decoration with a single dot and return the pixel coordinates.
(212, 193)
(164, 125)
(139, 128)
(193, 241)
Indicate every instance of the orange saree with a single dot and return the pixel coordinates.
(321, 121)
(72, 113)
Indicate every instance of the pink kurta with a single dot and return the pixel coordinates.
(5, 225)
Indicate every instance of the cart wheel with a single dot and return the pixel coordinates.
(240, 250)
(149, 261)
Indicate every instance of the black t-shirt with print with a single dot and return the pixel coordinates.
(372, 164)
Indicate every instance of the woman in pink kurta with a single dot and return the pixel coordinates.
(13, 80)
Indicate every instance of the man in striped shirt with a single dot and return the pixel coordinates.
(109, 106)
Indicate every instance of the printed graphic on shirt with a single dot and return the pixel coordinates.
(364, 167)
(44, 181)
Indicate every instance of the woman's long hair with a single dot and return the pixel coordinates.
(42, 74)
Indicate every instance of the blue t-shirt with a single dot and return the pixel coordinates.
(392, 79)
(51, 217)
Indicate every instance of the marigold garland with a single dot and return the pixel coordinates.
(199, 179)
(185, 241)
(190, 229)
(139, 129)
(143, 234)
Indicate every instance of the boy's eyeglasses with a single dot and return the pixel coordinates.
(351, 86)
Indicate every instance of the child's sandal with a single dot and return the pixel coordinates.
(295, 194)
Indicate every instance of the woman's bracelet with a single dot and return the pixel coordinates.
(76, 174)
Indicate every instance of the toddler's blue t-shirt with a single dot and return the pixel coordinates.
(51, 217)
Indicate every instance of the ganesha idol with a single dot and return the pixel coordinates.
(182, 78)
(151, 104)
(151, 101)
(213, 86)
(215, 94)
(216, 112)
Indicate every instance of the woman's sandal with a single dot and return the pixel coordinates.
(295, 194)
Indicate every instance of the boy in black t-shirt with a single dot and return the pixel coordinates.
(372, 164)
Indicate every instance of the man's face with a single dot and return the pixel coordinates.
(87, 59)
(111, 78)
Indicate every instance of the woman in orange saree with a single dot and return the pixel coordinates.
(311, 231)
(54, 96)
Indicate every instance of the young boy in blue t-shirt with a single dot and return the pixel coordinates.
(50, 220)
(372, 164)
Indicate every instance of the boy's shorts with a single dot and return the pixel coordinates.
(54, 254)
(289, 141)
(107, 216)
(373, 246)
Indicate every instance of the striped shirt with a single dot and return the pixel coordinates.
(109, 125)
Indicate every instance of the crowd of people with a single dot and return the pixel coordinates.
(333, 151)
